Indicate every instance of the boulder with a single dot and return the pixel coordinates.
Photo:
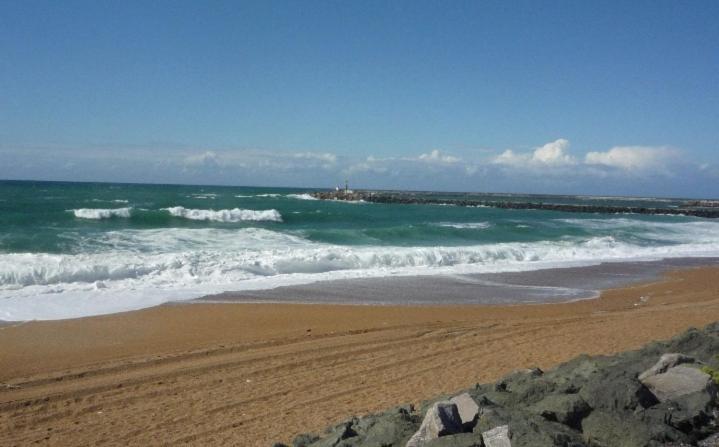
(665, 362)
(690, 414)
(468, 409)
(497, 437)
(337, 434)
(711, 441)
(441, 419)
(615, 429)
(304, 440)
(567, 409)
(393, 427)
(459, 440)
(613, 389)
(679, 381)
(527, 429)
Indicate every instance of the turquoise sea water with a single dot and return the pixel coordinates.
(75, 249)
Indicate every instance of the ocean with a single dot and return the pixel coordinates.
(77, 249)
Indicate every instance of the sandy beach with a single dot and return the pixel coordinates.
(250, 374)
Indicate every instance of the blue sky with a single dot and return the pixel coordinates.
(558, 97)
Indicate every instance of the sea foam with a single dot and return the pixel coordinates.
(230, 215)
(131, 269)
(100, 213)
(301, 197)
(466, 225)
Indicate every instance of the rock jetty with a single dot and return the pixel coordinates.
(689, 209)
(664, 394)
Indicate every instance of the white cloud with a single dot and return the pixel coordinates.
(368, 166)
(325, 157)
(631, 158)
(554, 153)
(509, 157)
(436, 156)
(205, 159)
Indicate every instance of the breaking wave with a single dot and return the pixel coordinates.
(466, 225)
(301, 197)
(100, 213)
(231, 215)
(130, 269)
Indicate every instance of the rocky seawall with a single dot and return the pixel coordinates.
(664, 394)
(692, 209)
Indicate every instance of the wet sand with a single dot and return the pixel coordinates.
(250, 374)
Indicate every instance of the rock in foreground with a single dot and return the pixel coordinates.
(661, 395)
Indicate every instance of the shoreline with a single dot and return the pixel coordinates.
(212, 374)
(540, 286)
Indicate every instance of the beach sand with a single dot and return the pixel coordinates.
(250, 374)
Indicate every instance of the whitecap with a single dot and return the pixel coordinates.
(100, 213)
(301, 197)
(227, 215)
(466, 225)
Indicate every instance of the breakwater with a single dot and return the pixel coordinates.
(413, 199)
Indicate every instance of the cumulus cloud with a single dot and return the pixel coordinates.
(631, 158)
(554, 153)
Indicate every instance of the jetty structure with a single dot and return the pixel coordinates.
(702, 208)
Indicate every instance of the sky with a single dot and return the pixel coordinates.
(577, 97)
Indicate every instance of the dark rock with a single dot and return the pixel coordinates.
(304, 440)
(567, 409)
(690, 414)
(615, 429)
(459, 440)
(527, 429)
(615, 390)
(711, 441)
(337, 434)
(392, 428)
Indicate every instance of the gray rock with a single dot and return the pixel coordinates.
(665, 362)
(468, 409)
(304, 440)
(497, 437)
(394, 428)
(527, 429)
(337, 434)
(614, 389)
(441, 419)
(615, 429)
(679, 381)
(567, 409)
(459, 440)
(711, 441)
